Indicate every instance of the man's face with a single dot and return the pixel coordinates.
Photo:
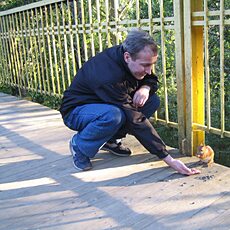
(142, 65)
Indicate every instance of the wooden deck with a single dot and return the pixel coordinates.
(40, 189)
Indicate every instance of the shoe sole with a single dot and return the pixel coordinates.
(115, 153)
(75, 166)
(79, 169)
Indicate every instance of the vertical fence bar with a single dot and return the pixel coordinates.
(53, 91)
(151, 29)
(138, 13)
(84, 30)
(19, 54)
(116, 20)
(65, 44)
(46, 88)
(12, 50)
(222, 67)
(8, 41)
(99, 25)
(206, 58)
(150, 16)
(3, 78)
(60, 47)
(15, 52)
(6, 57)
(34, 73)
(180, 76)
(164, 60)
(77, 34)
(25, 69)
(57, 87)
(91, 28)
(39, 83)
(71, 38)
(42, 77)
(16, 47)
(27, 52)
(107, 23)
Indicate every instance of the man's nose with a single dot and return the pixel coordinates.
(148, 70)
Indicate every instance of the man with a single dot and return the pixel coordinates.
(114, 94)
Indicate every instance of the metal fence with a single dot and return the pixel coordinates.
(207, 72)
(42, 45)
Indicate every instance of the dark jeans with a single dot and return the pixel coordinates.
(98, 123)
(150, 107)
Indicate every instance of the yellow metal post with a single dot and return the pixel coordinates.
(194, 78)
(198, 85)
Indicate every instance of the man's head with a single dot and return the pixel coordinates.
(140, 53)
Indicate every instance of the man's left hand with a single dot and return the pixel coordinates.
(141, 96)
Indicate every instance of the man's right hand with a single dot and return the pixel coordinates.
(180, 166)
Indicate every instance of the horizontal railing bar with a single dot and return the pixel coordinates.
(75, 31)
(210, 13)
(198, 127)
(210, 22)
(164, 122)
(29, 6)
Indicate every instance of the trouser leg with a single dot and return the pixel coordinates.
(96, 124)
(150, 107)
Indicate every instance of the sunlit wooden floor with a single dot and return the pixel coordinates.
(40, 189)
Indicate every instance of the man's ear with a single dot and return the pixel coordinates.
(127, 57)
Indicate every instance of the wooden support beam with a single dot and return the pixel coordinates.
(180, 74)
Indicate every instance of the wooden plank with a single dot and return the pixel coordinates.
(40, 188)
(192, 197)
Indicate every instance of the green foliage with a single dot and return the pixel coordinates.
(50, 101)
(9, 4)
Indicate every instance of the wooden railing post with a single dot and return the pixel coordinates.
(179, 48)
(194, 75)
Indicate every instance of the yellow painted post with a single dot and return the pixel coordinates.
(198, 85)
(194, 78)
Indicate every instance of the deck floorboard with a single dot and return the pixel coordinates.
(40, 188)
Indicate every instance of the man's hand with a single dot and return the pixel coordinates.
(141, 96)
(180, 166)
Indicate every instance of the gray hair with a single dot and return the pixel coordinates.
(136, 41)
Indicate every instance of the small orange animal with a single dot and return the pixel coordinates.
(206, 154)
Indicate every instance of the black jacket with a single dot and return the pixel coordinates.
(106, 78)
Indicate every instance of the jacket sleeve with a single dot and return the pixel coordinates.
(151, 81)
(137, 123)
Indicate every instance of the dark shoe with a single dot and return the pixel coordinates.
(80, 161)
(117, 149)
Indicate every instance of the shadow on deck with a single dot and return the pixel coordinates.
(40, 189)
